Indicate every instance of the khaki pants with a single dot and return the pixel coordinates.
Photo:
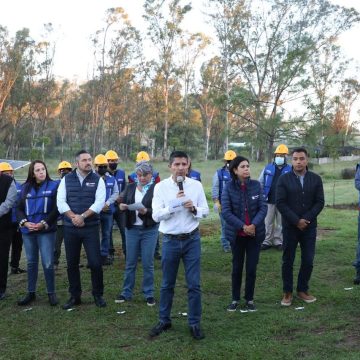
(273, 236)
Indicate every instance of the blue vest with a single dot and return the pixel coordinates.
(132, 177)
(119, 175)
(81, 197)
(195, 175)
(223, 176)
(13, 210)
(39, 202)
(109, 184)
(269, 173)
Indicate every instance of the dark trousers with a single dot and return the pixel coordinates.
(117, 218)
(16, 247)
(58, 243)
(5, 241)
(87, 236)
(244, 247)
(291, 237)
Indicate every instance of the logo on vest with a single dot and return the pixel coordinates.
(46, 192)
(90, 184)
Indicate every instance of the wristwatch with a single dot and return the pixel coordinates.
(83, 216)
(194, 211)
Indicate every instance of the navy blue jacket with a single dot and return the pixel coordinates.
(296, 202)
(233, 204)
(81, 197)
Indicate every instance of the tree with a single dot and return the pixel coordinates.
(165, 32)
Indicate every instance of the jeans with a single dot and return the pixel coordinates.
(356, 263)
(307, 239)
(224, 242)
(58, 243)
(189, 250)
(45, 242)
(106, 222)
(249, 247)
(117, 218)
(140, 240)
(88, 236)
(5, 241)
(16, 247)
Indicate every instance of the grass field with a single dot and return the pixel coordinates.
(327, 329)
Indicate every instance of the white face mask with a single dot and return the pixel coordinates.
(279, 160)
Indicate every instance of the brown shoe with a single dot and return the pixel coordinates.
(303, 295)
(287, 299)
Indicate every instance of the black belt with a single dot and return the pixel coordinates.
(182, 236)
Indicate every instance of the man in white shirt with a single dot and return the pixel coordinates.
(178, 204)
(81, 197)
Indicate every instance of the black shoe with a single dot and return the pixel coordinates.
(250, 306)
(159, 328)
(279, 247)
(17, 270)
(196, 332)
(99, 301)
(2, 296)
(29, 297)
(71, 303)
(157, 256)
(265, 247)
(105, 261)
(233, 306)
(150, 301)
(53, 299)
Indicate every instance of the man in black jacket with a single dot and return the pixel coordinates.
(300, 199)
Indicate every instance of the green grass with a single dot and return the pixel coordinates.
(327, 329)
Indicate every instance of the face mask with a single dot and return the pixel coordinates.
(102, 171)
(63, 173)
(113, 166)
(279, 160)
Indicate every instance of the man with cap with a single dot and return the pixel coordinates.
(268, 180)
(8, 196)
(220, 178)
(119, 175)
(106, 215)
(64, 168)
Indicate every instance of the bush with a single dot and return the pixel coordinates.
(348, 173)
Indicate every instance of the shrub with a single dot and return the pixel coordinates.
(348, 173)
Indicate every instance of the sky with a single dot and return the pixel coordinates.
(74, 21)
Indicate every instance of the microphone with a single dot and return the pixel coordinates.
(179, 181)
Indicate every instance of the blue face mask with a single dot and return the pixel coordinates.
(279, 160)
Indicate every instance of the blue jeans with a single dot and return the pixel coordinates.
(224, 242)
(307, 239)
(189, 250)
(356, 263)
(140, 240)
(88, 236)
(106, 222)
(45, 242)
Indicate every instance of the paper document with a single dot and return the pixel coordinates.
(135, 206)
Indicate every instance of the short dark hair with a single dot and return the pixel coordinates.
(80, 152)
(300, 149)
(235, 163)
(178, 154)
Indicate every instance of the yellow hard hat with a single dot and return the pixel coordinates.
(4, 166)
(100, 160)
(282, 149)
(111, 155)
(64, 165)
(230, 155)
(142, 156)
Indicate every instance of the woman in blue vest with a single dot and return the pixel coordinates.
(37, 214)
(244, 210)
(141, 233)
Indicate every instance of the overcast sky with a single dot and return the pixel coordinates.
(75, 20)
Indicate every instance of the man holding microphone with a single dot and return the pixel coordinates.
(178, 204)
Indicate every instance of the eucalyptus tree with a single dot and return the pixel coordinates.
(270, 42)
(164, 20)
